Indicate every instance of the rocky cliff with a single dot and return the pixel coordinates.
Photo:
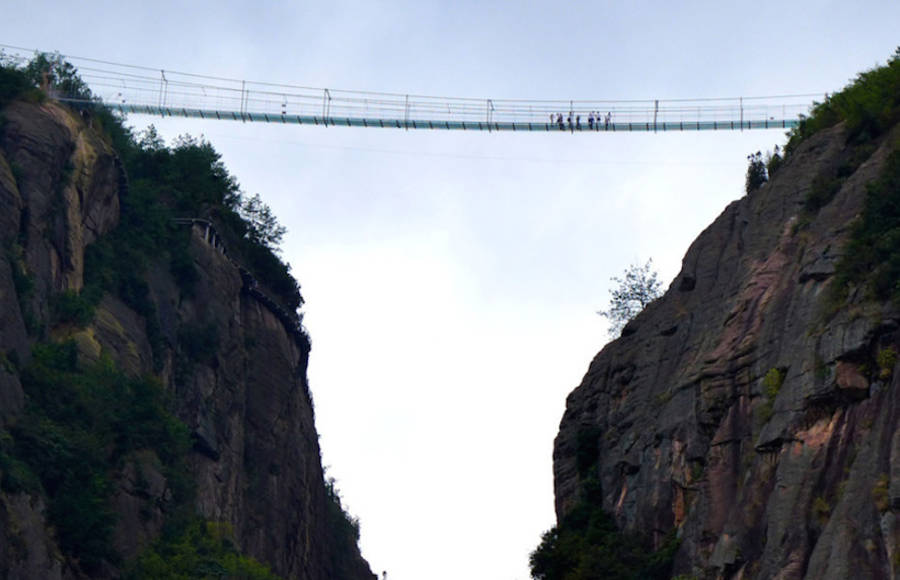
(231, 365)
(752, 408)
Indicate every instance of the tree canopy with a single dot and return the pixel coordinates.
(634, 292)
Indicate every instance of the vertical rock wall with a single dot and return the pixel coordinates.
(245, 399)
(58, 192)
(762, 480)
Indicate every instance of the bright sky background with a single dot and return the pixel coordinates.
(452, 279)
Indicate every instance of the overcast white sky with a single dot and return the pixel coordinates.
(452, 279)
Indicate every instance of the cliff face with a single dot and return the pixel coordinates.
(234, 365)
(740, 410)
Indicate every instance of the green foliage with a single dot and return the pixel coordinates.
(697, 469)
(821, 192)
(269, 270)
(23, 80)
(8, 364)
(15, 83)
(756, 172)
(872, 256)
(81, 425)
(114, 265)
(859, 154)
(663, 398)
(639, 288)
(772, 383)
(185, 180)
(886, 359)
(262, 225)
(344, 532)
(17, 172)
(587, 545)
(59, 73)
(200, 342)
(78, 426)
(199, 551)
(771, 386)
(774, 161)
(587, 449)
(870, 106)
(190, 180)
(821, 510)
(23, 282)
(118, 263)
(15, 475)
(74, 307)
(821, 370)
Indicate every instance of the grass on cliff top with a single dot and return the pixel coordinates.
(870, 105)
(15, 84)
(187, 179)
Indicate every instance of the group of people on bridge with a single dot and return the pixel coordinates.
(595, 118)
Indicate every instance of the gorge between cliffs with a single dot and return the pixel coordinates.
(156, 419)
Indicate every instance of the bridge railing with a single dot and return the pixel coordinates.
(144, 88)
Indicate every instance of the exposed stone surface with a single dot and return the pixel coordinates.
(688, 438)
(68, 181)
(28, 550)
(142, 491)
(255, 459)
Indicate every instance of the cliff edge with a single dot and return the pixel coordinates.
(176, 382)
(754, 409)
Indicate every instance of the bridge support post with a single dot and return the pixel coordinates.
(243, 101)
(326, 105)
(163, 88)
(655, 113)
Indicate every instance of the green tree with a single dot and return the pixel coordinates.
(635, 291)
(61, 75)
(263, 227)
(773, 161)
(756, 172)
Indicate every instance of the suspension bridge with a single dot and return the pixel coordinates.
(148, 91)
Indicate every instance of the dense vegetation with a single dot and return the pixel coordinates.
(79, 426)
(187, 179)
(872, 257)
(587, 545)
(344, 530)
(200, 550)
(869, 106)
(85, 422)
